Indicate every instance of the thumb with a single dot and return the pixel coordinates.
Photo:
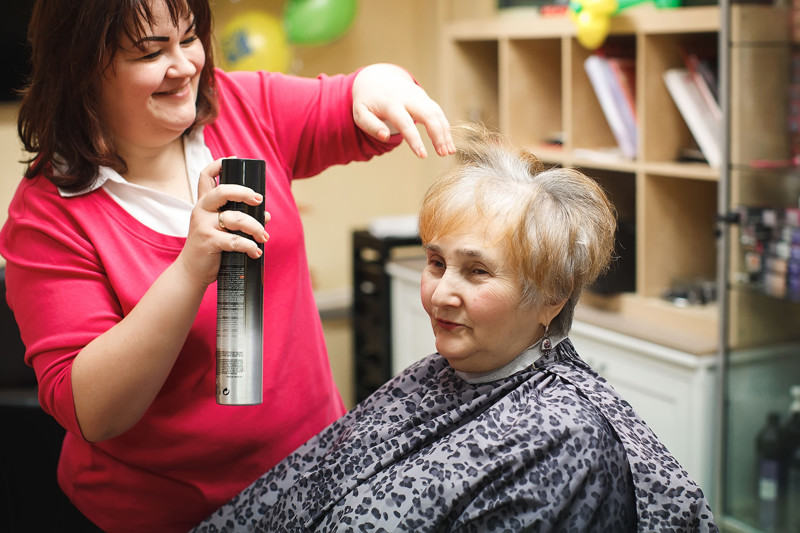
(208, 178)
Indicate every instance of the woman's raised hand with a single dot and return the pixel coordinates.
(212, 231)
(386, 100)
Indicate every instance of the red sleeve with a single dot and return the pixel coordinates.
(52, 265)
(307, 122)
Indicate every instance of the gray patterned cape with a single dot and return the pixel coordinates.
(550, 448)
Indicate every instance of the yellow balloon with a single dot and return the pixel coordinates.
(592, 29)
(601, 7)
(255, 40)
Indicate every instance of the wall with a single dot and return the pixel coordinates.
(10, 154)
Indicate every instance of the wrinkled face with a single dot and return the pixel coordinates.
(473, 299)
(148, 95)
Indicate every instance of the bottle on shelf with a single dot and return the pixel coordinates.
(793, 493)
(791, 452)
(769, 456)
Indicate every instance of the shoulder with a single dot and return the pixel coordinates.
(572, 425)
(39, 215)
(38, 200)
(668, 497)
(259, 86)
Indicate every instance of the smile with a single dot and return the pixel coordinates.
(178, 91)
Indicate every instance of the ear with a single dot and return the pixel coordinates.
(550, 311)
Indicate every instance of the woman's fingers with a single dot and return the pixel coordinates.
(213, 229)
(231, 221)
(208, 178)
(386, 100)
(216, 198)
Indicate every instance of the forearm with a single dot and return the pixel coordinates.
(116, 377)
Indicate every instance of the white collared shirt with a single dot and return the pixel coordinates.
(157, 210)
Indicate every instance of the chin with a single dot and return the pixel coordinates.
(455, 361)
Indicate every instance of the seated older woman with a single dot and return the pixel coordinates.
(505, 428)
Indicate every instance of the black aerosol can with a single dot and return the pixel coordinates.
(240, 300)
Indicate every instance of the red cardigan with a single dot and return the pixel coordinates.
(76, 266)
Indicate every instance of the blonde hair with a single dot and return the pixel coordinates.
(555, 225)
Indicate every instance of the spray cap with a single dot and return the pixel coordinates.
(247, 172)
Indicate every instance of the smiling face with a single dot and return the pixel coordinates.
(148, 95)
(473, 299)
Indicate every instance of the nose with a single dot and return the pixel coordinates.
(445, 292)
(182, 65)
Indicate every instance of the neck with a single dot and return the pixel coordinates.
(162, 169)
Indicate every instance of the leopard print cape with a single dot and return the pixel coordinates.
(551, 448)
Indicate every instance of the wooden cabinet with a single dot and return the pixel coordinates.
(525, 75)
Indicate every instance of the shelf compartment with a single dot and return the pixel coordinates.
(621, 190)
(760, 75)
(664, 130)
(531, 107)
(472, 80)
(676, 232)
(755, 318)
(760, 81)
(586, 121)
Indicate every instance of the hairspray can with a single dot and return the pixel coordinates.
(240, 300)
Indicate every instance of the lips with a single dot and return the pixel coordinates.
(447, 324)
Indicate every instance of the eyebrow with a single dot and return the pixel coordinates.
(466, 252)
(163, 38)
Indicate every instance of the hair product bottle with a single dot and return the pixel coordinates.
(768, 453)
(791, 439)
(240, 300)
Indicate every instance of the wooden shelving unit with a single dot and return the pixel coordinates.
(525, 75)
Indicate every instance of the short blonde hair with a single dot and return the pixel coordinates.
(556, 225)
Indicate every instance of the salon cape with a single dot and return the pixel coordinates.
(550, 447)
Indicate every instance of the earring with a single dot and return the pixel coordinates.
(547, 345)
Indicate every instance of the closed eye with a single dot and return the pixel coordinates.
(435, 263)
(151, 56)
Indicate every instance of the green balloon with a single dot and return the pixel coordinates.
(316, 22)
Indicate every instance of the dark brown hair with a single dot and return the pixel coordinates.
(72, 44)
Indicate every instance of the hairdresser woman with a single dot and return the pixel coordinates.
(114, 238)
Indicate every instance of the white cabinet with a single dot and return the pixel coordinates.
(412, 334)
(673, 391)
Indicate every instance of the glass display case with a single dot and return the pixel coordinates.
(759, 272)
